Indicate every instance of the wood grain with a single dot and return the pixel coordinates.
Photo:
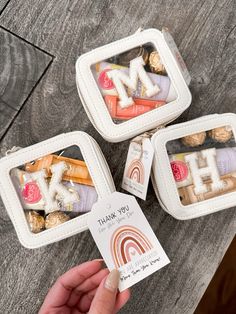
(3, 4)
(21, 66)
(205, 33)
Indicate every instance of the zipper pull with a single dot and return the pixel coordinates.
(149, 134)
(146, 135)
(140, 29)
(12, 150)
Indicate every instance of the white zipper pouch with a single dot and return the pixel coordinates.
(133, 85)
(194, 167)
(49, 188)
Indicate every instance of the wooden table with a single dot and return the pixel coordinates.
(39, 44)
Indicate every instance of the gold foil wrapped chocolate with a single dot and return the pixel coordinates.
(125, 58)
(221, 134)
(155, 64)
(55, 218)
(35, 220)
(194, 139)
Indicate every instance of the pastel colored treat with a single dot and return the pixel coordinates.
(225, 161)
(140, 107)
(156, 64)
(221, 134)
(198, 172)
(55, 218)
(77, 169)
(194, 139)
(87, 197)
(167, 92)
(31, 197)
(27, 190)
(136, 73)
(50, 189)
(35, 221)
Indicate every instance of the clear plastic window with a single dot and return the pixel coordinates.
(204, 164)
(133, 83)
(54, 189)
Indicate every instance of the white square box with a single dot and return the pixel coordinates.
(94, 103)
(98, 170)
(162, 176)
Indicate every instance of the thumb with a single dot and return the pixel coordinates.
(105, 298)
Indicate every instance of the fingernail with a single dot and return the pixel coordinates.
(98, 260)
(101, 261)
(112, 280)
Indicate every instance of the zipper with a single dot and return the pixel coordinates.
(12, 150)
(147, 134)
(191, 121)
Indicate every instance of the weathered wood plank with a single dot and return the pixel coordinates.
(205, 33)
(21, 66)
(3, 4)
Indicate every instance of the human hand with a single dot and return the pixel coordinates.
(86, 288)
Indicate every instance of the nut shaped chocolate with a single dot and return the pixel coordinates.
(55, 218)
(194, 140)
(221, 134)
(35, 220)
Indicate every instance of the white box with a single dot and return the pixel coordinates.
(162, 176)
(95, 163)
(94, 103)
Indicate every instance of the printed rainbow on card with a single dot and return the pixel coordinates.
(126, 243)
(136, 171)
